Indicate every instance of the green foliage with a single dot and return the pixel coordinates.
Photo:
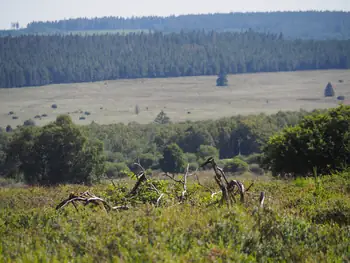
(56, 153)
(256, 169)
(148, 160)
(206, 151)
(329, 91)
(295, 226)
(116, 170)
(235, 165)
(173, 160)
(222, 80)
(254, 158)
(320, 141)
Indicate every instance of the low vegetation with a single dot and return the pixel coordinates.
(189, 196)
(302, 220)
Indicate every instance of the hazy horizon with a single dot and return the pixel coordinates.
(25, 11)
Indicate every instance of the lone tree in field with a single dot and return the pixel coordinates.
(222, 80)
(329, 91)
(162, 118)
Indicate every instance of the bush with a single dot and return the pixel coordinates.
(206, 151)
(253, 158)
(255, 168)
(190, 157)
(193, 166)
(29, 122)
(321, 141)
(116, 170)
(9, 128)
(236, 165)
(173, 160)
(147, 160)
(114, 157)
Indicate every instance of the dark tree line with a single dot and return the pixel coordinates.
(309, 24)
(39, 60)
(48, 153)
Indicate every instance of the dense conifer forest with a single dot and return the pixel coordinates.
(39, 60)
(303, 24)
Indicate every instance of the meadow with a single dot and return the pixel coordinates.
(182, 99)
(303, 220)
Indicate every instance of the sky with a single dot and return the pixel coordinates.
(25, 11)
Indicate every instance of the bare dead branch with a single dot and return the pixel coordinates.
(86, 198)
(121, 207)
(262, 199)
(141, 178)
(173, 178)
(249, 187)
(159, 198)
(185, 183)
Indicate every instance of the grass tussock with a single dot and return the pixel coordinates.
(304, 220)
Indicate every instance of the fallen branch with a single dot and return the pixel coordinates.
(86, 198)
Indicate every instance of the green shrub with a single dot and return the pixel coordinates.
(29, 122)
(255, 168)
(116, 170)
(254, 158)
(236, 165)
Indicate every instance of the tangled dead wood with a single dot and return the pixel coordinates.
(228, 188)
(88, 198)
(183, 182)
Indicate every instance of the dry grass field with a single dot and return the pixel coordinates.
(186, 98)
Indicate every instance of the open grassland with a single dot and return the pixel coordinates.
(303, 220)
(185, 98)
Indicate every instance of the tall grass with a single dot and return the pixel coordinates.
(298, 224)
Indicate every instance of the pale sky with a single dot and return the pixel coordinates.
(25, 11)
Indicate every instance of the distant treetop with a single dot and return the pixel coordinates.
(300, 24)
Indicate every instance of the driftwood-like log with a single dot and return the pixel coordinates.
(227, 187)
(85, 198)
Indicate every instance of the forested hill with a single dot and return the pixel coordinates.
(39, 60)
(306, 24)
